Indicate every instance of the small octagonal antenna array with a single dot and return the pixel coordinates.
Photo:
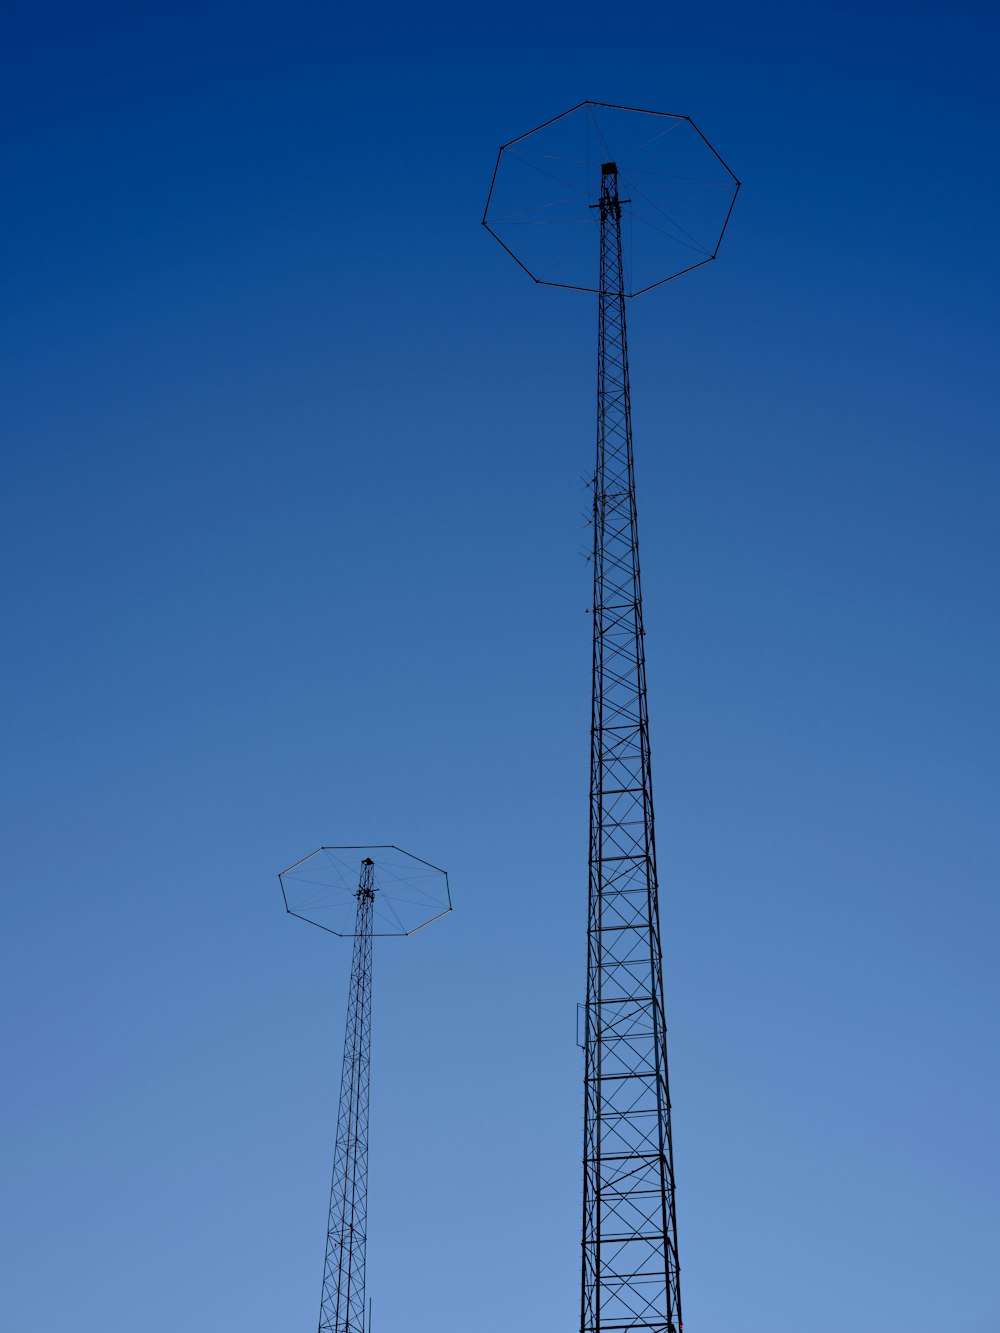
(322, 889)
(616, 201)
(358, 892)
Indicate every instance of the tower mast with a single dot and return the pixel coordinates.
(631, 1272)
(539, 202)
(397, 894)
(342, 1309)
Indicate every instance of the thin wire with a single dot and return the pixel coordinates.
(556, 253)
(541, 170)
(673, 176)
(669, 130)
(552, 157)
(600, 132)
(695, 243)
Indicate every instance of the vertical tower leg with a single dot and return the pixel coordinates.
(342, 1309)
(631, 1274)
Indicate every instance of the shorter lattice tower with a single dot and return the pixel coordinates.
(395, 894)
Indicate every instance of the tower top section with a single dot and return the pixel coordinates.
(545, 196)
(324, 889)
(366, 888)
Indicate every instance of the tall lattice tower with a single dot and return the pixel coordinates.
(360, 892)
(552, 189)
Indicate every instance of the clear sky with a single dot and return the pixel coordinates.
(293, 507)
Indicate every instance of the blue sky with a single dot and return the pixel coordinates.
(293, 513)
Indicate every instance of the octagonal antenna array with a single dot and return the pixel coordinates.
(676, 191)
(616, 201)
(358, 892)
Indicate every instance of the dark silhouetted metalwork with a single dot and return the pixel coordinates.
(342, 1309)
(680, 192)
(631, 1273)
(321, 889)
(396, 894)
(551, 189)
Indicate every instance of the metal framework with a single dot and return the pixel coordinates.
(342, 1309)
(631, 1271)
(397, 894)
(549, 193)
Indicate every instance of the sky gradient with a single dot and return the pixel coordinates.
(295, 501)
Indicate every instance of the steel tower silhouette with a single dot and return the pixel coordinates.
(396, 894)
(631, 1269)
(342, 1308)
(631, 1272)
